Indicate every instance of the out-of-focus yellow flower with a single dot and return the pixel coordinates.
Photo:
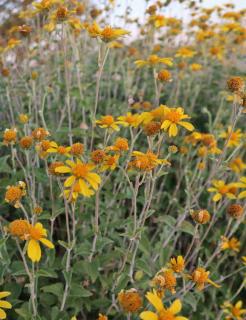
(161, 311)
(102, 317)
(12, 43)
(153, 60)
(4, 304)
(9, 136)
(106, 34)
(217, 52)
(174, 117)
(196, 67)
(200, 276)
(222, 189)
(61, 150)
(237, 165)
(108, 122)
(242, 184)
(14, 194)
(109, 162)
(234, 312)
(234, 137)
(37, 233)
(230, 244)
(177, 264)
(158, 20)
(130, 120)
(185, 52)
(121, 144)
(146, 161)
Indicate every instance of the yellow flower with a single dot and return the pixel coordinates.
(81, 173)
(165, 280)
(109, 34)
(54, 148)
(196, 67)
(177, 264)
(222, 190)
(158, 20)
(162, 313)
(200, 276)
(230, 244)
(130, 120)
(234, 311)
(109, 162)
(242, 184)
(121, 144)
(14, 194)
(108, 122)
(94, 30)
(153, 60)
(185, 52)
(235, 137)
(4, 304)
(174, 117)
(244, 260)
(146, 161)
(102, 317)
(237, 165)
(9, 136)
(12, 43)
(130, 300)
(44, 4)
(19, 228)
(37, 234)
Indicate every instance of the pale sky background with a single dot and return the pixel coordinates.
(175, 9)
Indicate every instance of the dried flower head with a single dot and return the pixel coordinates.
(9, 136)
(19, 228)
(26, 142)
(14, 194)
(235, 211)
(77, 149)
(130, 300)
(235, 84)
(40, 134)
(53, 166)
(201, 216)
(152, 128)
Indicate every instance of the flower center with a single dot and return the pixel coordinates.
(61, 150)
(223, 190)
(108, 120)
(153, 59)
(35, 233)
(80, 170)
(235, 311)
(166, 315)
(173, 116)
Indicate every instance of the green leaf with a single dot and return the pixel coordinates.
(187, 227)
(56, 289)
(78, 291)
(47, 273)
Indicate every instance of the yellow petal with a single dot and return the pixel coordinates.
(47, 243)
(34, 250)
(155, 300)
(175, 307)
(173, 130)
(63, 169)
(187, 125)
(148, 315)
(84, 189)
(5, 305)
(242, 195)
(165, 125)
(4, 294)
(217, 197)
(2, 314)
(69, 181)
(181, 318)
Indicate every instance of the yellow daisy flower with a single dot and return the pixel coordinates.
(185, 52)
(242, 184)
(146, 161)
(37, 233)
(230, 244)
(130, 120)
(222, 189)
(234, 311)
(235, 137)
(108, 122)
(237, 165)
(174, 117)
(55, 148)
(81, 173)
(177, 264)
(162, 313)
(153, 60)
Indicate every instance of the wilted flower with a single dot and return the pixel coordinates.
(130, 300)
